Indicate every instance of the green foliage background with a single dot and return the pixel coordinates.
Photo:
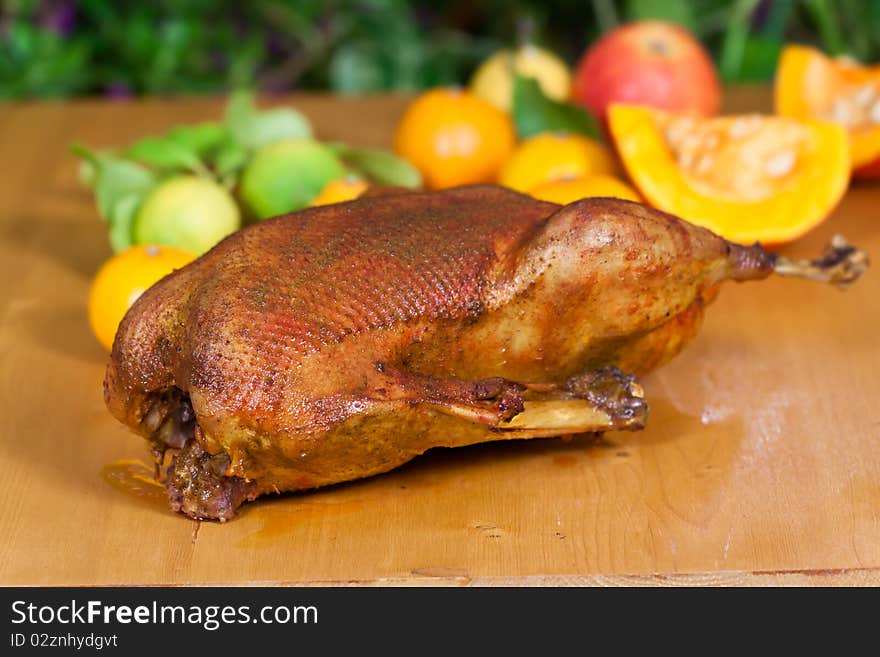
(57, 48)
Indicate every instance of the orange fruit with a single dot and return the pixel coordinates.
(339, 190)
(554, 156)
(454, 138)
(122, 279)
(570, 190)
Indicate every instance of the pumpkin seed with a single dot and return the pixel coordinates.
(780, 164)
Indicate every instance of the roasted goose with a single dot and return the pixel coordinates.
(341, 341)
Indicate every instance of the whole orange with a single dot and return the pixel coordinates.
(340, 190)
(122, 279)
(454, 138)
(553, 156)
(573, 189)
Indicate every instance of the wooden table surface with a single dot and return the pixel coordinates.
(760, 465)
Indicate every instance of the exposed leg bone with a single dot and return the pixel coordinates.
(840, 264)
(603, 400)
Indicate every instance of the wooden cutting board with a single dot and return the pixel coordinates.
(761, 463)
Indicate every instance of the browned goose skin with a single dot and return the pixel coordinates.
(341, 341)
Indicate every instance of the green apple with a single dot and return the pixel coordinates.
(285, 175)
(187, 212)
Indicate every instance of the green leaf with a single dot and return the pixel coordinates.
(824, 14)
(760, 57)
(380, 166)
(356, 68)
(120, 187)
(674, 12)
(239, 108)
(114, 178)
(165, 153)
(533, 112)
(231, 156)
(730, 59)
(200, 138)
(253, 128)
(87, 173)
(118, 178)
(86, 154)
(123, 213)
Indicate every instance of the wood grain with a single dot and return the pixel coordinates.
(760, 466)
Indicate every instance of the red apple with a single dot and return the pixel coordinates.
(648, 63)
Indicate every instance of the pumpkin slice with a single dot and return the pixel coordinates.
(748, 177)
(811, 85)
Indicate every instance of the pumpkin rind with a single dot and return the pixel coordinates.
(808, 195)
(808, 81)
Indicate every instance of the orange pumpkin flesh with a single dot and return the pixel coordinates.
(747, 177)
(811, 85)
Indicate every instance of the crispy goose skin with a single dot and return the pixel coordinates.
(341, 341)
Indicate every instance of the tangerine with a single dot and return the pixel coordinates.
(122, 279)
(573, 189)
(552, 156)
(454, 138)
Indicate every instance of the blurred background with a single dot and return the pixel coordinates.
(62, 48)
